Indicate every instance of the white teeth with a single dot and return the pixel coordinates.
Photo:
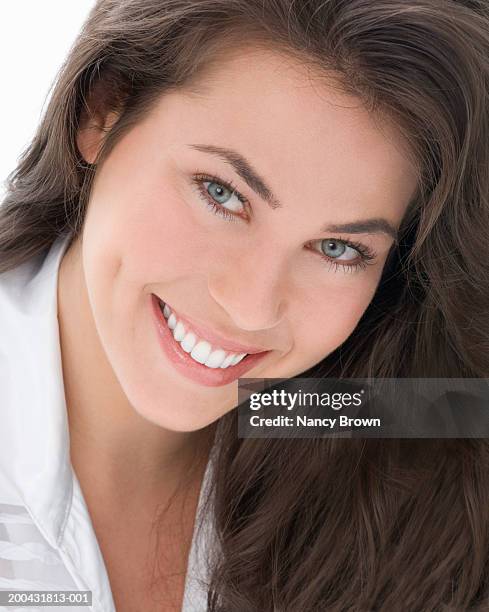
(188, 342)
(238, 358)
(228, 360)
(201, 351)
(215, 358)
(179, 332)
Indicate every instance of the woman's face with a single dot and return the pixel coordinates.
(285, 264)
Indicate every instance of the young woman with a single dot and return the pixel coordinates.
(221, 189)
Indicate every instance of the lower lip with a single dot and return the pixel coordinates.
(210, 377)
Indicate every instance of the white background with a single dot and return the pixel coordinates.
(35, 37)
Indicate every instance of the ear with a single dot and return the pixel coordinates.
(93, 128)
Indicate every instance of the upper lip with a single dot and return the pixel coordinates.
(213, 337)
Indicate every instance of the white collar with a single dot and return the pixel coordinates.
(35, 442)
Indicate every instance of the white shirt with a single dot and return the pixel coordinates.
(47, 540)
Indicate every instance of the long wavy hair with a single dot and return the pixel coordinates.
(323, 524)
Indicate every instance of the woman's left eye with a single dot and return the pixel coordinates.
(220, 196)
(346, 254)
(339, 250)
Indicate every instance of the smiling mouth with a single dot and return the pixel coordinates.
(197, 346)
(208, 365)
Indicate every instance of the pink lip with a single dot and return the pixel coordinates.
(211, 377)
(215, 339)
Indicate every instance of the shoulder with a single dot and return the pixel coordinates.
(27, 560)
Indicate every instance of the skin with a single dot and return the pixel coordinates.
(261, 280)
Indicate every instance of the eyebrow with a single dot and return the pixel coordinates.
(244, 169)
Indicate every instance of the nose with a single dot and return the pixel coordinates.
(250, 289)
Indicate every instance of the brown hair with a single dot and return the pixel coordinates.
(324, 524)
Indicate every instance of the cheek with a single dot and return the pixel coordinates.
(147, 232)
(324, 328)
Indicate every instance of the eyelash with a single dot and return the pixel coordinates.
(366, 254)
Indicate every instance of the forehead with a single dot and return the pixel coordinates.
(299, 129)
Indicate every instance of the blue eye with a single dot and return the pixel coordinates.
(217, 190)
(337, 248)
(218, 195)
(223, 195)
(346, 255)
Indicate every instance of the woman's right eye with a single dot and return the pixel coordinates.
(218, 195)
(222, 194)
